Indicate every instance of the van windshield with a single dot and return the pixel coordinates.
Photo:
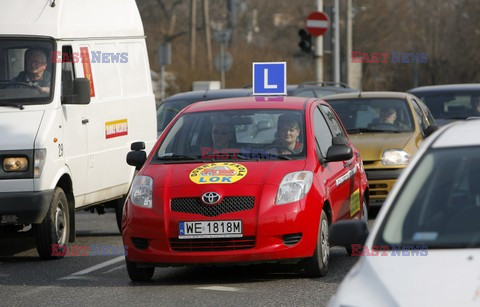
(235, 135)
(26, 71)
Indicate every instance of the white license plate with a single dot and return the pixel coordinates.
(210, 229)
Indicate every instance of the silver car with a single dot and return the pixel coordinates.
(424, 248)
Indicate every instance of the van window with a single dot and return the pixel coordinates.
(68, 73)
(132, 67)
(105, 59)
(26, 71)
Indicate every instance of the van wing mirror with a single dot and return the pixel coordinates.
(137, 159)
(137, 146)
(81, 92)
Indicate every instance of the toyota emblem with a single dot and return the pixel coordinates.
(211, 198)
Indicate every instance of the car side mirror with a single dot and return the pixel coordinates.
(430, 130)
(339, 153)
(137, 156)
(348, 232)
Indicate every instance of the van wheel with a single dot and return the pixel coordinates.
(317, 265)
(138, 274)
(54, 228)
(119, 212)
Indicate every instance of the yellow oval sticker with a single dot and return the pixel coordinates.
(218, 173)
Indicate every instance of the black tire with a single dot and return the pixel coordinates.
(138, 274)
(365, 219)
(317, 265)
(55, 228)
(119, 212)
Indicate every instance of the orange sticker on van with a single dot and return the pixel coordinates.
(87, 68)
(116, 128)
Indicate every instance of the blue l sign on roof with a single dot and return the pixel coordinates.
(270, 78)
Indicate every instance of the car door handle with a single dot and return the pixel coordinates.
(85, 121)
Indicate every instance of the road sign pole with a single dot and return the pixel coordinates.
(319, 49)
(222, 70)
(336, 68)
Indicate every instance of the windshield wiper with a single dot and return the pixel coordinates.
(360, 130)
(178, 157)
(12, 104)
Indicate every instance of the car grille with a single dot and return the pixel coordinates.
(205, 245)
(228, 204)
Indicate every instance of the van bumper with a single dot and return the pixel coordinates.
(24, 207)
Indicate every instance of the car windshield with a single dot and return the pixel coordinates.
(373, 114)
(439, 205)
(235, 134)
(26, 71)
(452, 105)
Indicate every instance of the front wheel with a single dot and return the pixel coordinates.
(138, 274)
(317, 265)
(52, 234)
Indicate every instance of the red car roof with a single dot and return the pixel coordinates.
(258, 102)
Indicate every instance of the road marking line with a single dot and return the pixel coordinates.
(114, 269)
(219, 288)
(96, 267)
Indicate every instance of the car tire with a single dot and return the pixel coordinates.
(363, 218)
(138, 274)
(55, 227)
(317, 265)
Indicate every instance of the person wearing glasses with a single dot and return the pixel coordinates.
(35, 73)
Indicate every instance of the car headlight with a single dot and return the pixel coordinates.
(141, 191)
(294, 186)
(395, 157)
(15, 164)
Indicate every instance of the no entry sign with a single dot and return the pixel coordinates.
(317, 23)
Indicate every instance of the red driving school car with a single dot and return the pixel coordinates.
(243, 180)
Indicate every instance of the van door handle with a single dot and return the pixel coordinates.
(85, 121)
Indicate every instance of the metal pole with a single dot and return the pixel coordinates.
(222, 62)
(162, 82)
(336, 68)
(319, 48)
(349, 43)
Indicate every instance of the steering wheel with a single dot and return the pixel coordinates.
(10, 84)
(281, 147)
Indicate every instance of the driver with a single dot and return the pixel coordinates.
(35, 73)
(388, 116)
(288, 131)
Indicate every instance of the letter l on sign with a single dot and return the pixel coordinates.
(265, 80)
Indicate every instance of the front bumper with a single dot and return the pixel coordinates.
(277, 233)
(26, 207)
(380, 183)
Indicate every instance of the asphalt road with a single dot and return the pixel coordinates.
(102, 280)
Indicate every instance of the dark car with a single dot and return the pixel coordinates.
(321, 89)
(450, 102)
(175, 103)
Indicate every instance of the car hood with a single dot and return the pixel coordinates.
(442, 277)
(257, 173)
(372, 145)
(18, 128)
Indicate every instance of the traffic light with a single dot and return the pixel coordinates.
(305, 41)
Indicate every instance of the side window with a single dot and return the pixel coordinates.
(419, 115)
(68, 73)
(428, 114)
(323, 136)
(332, 121)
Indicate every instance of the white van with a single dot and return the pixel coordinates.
(75, 92)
